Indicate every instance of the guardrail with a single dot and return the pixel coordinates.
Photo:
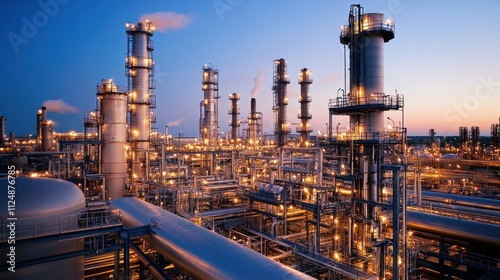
(389, 101)
(44, 226)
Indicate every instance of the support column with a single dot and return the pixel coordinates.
(117, 264)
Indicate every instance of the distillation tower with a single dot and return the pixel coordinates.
(234, 111)
(305, 113)
(495, 135)
(113, 133)
(40, 116)
(254, 124)
(365, 36)
(2, 131)
(44, 130)
(375, 156)
(209, 119)
(280, 82)
(139, 65)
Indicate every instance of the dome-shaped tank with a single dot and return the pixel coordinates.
(42, 207)
(19, 162)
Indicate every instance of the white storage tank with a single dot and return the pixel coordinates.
(42, 207)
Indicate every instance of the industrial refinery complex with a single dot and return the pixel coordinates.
(123, 199)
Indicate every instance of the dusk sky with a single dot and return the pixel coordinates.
(444, 58)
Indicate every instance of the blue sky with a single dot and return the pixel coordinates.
(444, 58)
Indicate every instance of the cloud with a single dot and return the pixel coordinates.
(166, 21)
(176, 122)
(291, 93)
(258, 83)
(331, 78)
(59, 106)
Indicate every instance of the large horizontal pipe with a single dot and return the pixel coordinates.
(199, 252)
(463, 209)
(466, 230)
(478, 202)
(471, 201)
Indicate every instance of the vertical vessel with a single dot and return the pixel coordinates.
(254, 123)
(113, 116)
(140, 71)
(365, 35)
(280, 82)
(209, 119)
(234, 112)
(305, 114)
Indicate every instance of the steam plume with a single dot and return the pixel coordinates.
(175, 123)
(258, 83)
(59, 106)
(166, 21)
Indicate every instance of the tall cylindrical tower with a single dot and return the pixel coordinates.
(140, 70)
(46, 136)
(463, 135)
(2, 130)
(234, 112)
(41, 118)
(365, 105)
(253, 123)
(280, 82)
(495, 135)
(45, 129)
(209, 119)
(475, 137)
(39, 121)
(113, 116)
(305, 113)
(365, 35)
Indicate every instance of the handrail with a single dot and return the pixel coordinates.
(393, 135)
(386, 100)
(43, 226)
(367, 26)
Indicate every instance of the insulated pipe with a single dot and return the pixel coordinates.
(318, 152)
(470, 201)
(199, 252)
(464, 209)
(395, 225)
(454, 228)
(418, 187)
